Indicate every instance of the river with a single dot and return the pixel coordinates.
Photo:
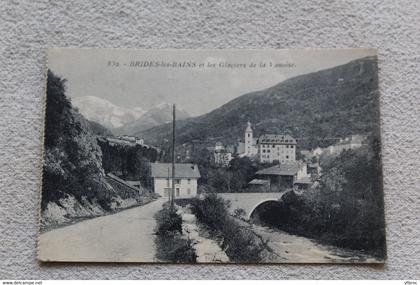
(288, 248)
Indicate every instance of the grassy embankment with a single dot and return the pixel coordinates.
(239, 243)
(171, 244)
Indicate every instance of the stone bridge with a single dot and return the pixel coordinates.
(250, 201)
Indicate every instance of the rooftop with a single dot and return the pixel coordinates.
(248, 127)
(182, 170)
(121, 181)
(259, 182)
(277, 139)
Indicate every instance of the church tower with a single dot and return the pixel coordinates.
(248, 139)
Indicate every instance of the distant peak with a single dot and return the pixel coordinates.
(162, 105)
(105, 112)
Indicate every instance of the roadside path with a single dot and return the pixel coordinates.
(127, 236)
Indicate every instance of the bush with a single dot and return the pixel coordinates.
(183, 202)
(168, 221)
(212, 210)
(239, 243)
(239, 213)
(171, 246)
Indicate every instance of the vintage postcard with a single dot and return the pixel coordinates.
(212, 156)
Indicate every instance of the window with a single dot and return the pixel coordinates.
(177, 192)
(249, 135)
(189, 181)
(287, 157)
(287, 146)
(291, 146)
(268, 150)
(177, 181)
(167, 182)
(189, 191)
(263, 150)
(274, 146)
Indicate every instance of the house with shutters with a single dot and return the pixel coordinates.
(186, 177)
(268, 147)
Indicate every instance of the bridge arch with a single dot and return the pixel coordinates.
(249, 201)
(259, 204)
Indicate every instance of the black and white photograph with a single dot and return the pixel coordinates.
(212, 156)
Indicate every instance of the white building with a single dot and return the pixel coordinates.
(186, 176)
(317, 151)
(132, 139)
(221, 155)
(268, 148)
(277, 147)
(352, 142)
(140, 141)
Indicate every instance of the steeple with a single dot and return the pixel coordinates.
(248, 139)
(248, 127)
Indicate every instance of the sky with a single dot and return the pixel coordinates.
(202, 80)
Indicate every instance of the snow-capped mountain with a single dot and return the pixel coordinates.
(157, 115)
(106, 113)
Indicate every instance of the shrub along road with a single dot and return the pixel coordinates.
(127, 236)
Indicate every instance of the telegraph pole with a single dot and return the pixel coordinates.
(173, 158)
(167, 186)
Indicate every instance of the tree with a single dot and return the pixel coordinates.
(346, 209)
(72, 165)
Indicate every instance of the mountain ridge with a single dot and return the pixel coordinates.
(333, 102)
(157, 115)
(121, 120)
(104, 112)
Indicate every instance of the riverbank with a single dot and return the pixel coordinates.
(206, 249)
(288, 248)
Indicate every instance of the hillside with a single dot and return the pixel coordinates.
(99, 130)
(74, 184)
(334, 102)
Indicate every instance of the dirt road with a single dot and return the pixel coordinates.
(126, 236)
